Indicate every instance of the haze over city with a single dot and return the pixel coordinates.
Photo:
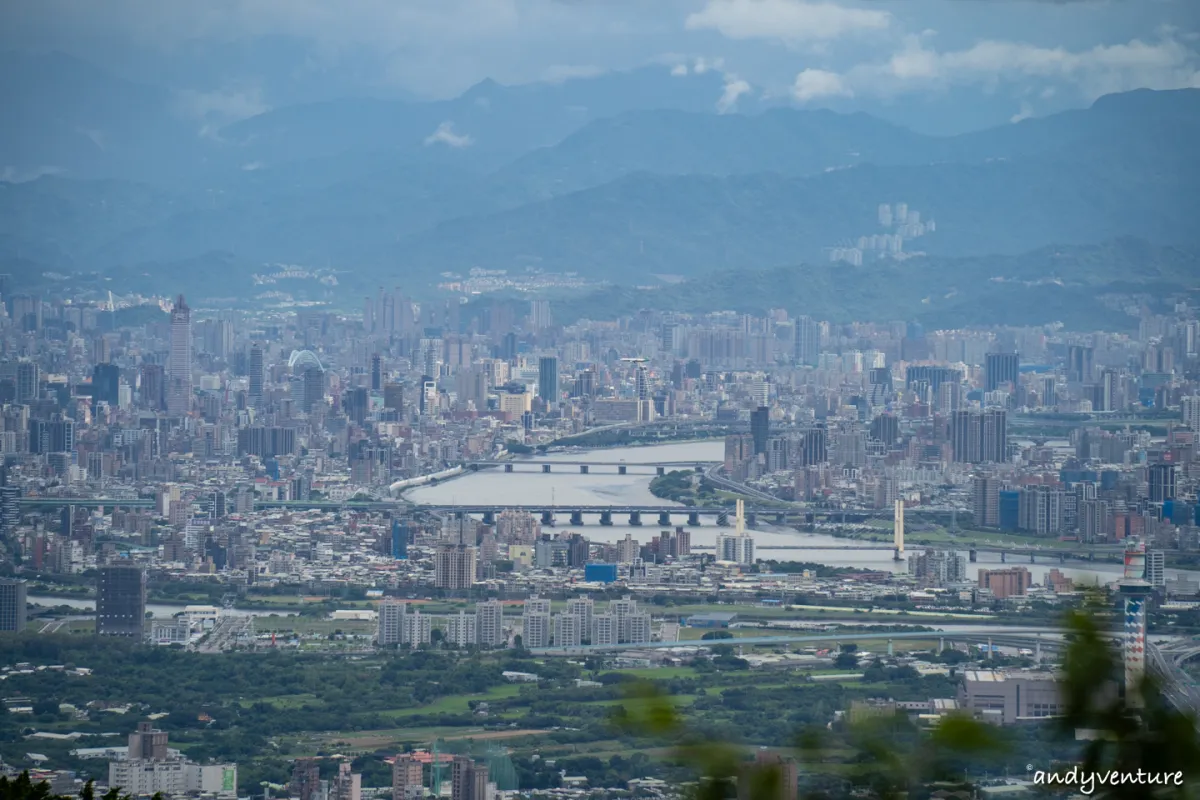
(532, 399)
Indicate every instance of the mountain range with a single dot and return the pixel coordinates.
(619, 178)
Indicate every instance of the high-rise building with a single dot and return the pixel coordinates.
(808, 341)
(28, 382)
(1162, 482)
(408, 782)
(393, 396)
(986, 501)
(760, 428)
(999, 369)
(462, 629)
(121, 601)
(148, 743)
(1080, 361)
(357, 404)
(254, 395)
(1156, 562)
(313, 388)
(390, 629)
(454, 567)
(106, 384)
(548, 380)
(979, 437)
(787, 777)
(568, 630)
(1191, 412)
(468, 780)
(12, 605)
(346, 784)
(535, 623)
(179, 365)
(376, 372)
(489, 623)
(400, 537)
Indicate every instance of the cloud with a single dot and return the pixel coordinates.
(791, 21)
(445, 135)
(561, 73)
(1104, 69)
(1024, 113)
(11, 174)
(215, 109)
(679, 70)
(815, 83)
(252, 166)
(735, 87)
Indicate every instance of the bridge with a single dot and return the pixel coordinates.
(585, 466)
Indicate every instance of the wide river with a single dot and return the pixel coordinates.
(566, 487)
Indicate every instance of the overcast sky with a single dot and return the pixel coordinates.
(244, 56)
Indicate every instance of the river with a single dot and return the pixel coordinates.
(603, 486)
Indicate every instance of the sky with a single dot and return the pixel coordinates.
(236, 58)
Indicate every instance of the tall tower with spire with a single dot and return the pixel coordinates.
(179, 363)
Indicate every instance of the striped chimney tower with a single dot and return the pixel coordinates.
(1135, 589)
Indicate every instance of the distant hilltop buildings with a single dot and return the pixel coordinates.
(901, 223)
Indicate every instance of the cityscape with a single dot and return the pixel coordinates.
(647, 430)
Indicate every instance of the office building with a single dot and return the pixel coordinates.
(1001, 369)
(179, 365)
(106, 384)
(376, 373)
(548, 380)
(312, 388)
(1162, 482)
(400, 539)
(12, 605)
(808, 341)
(489, 624)
(760, 428)
(121, 601)
(254, 393)
(1156, 561)
(454, 567)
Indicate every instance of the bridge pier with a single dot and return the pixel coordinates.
(723, 519)
(621, 470)
(1062, 558)
(700, 469)
(973, 555)
(635, 518)
(1003, 558)
(891, 651)
(545, 467)
(489, 517)
(548, 518)
(661, 470)
(941, 644)
(693, 519)
(606, 518)
(576, 517)
(664, 518)
(508, 467)
(781, 518)
(751, 520)
(583, 469)
(1032, 559)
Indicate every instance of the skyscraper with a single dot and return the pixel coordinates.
(12, 605)
(376, 372)
(979, 437)
(106, 384)
(313, 389)
(1162, 482)
(999, 369)
(760, 428)
(1080, 361)
(548, 380)
(489, 623)
(454, 567)
(255, 394)
(469, 780)
(393, 396)
(808, 341)
(179, 365)
(121, 601)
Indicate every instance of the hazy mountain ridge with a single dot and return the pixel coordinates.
(664, 191)
(1052, 284)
